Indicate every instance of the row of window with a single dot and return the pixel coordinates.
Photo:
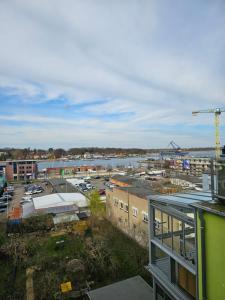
(125, 207)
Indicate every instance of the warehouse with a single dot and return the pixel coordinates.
(56, 204)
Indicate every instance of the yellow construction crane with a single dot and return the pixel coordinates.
(217, 112)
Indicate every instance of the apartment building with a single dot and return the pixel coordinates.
(174, 259)
(127, 208)
(191, 165)
(21, 169)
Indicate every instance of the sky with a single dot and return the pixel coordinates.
(119, 73)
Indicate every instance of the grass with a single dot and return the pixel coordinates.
(105, 254)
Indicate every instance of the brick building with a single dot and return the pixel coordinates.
(21, 169)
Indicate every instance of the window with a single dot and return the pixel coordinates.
(161, 260)
(186, 280)
(135, 211)
(126, 207)
(116, 201)
(157, 223)
(121, 205)
(145, 217)
(175, 234)
(14, 168)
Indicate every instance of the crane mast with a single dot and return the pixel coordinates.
(217, 112)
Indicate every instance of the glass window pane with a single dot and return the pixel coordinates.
(178, 239)
(161, 260)
(189, 232)
(167, 229)
(158, 223)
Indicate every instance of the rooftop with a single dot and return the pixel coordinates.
(215, 208)
(60, 199)
(183, 199)
(141, 192)
(192, 179)
(124, 179)
(134, 288)
(61, 185)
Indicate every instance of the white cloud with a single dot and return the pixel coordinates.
(144, 57)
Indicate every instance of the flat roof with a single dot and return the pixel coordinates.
(141, 192)
(134, 288)
(214, 208)
(124, 179)
(192, 179)
(60, 199)
(184, 199)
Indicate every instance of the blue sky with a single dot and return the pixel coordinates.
(110, 73)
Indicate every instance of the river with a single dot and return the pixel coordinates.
(113, 162)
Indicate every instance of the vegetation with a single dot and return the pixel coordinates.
(97, 207)
(101, 255)
(51, 153)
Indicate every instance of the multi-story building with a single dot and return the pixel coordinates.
(191, 165)
(127, 204)
(173, 246)
(210, 227)
(127, 208)
(21, 169)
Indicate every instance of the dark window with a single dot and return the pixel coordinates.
(14, 167)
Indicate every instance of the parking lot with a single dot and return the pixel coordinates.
(19, 192)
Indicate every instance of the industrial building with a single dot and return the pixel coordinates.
(56, 204)
(69, 171)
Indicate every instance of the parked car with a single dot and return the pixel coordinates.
(3, 205)
(5, 194)
(37, 191)
(101, 192)
(89, 186)
(5, 198)
(10, 188)
(27, 197)
(30, 192)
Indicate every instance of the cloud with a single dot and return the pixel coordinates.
(149, 64)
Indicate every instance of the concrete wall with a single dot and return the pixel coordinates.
(125, 219)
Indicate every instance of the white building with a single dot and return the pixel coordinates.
(56, 203)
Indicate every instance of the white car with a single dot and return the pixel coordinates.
(27, 198)
(88, 186)
(37, 191)
(29, 193)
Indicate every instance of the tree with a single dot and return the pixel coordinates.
(59, 152)
(96, 206)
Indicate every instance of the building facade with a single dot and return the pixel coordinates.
(191, 165)
(127, 208)
(173, 246)
(21, 170)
